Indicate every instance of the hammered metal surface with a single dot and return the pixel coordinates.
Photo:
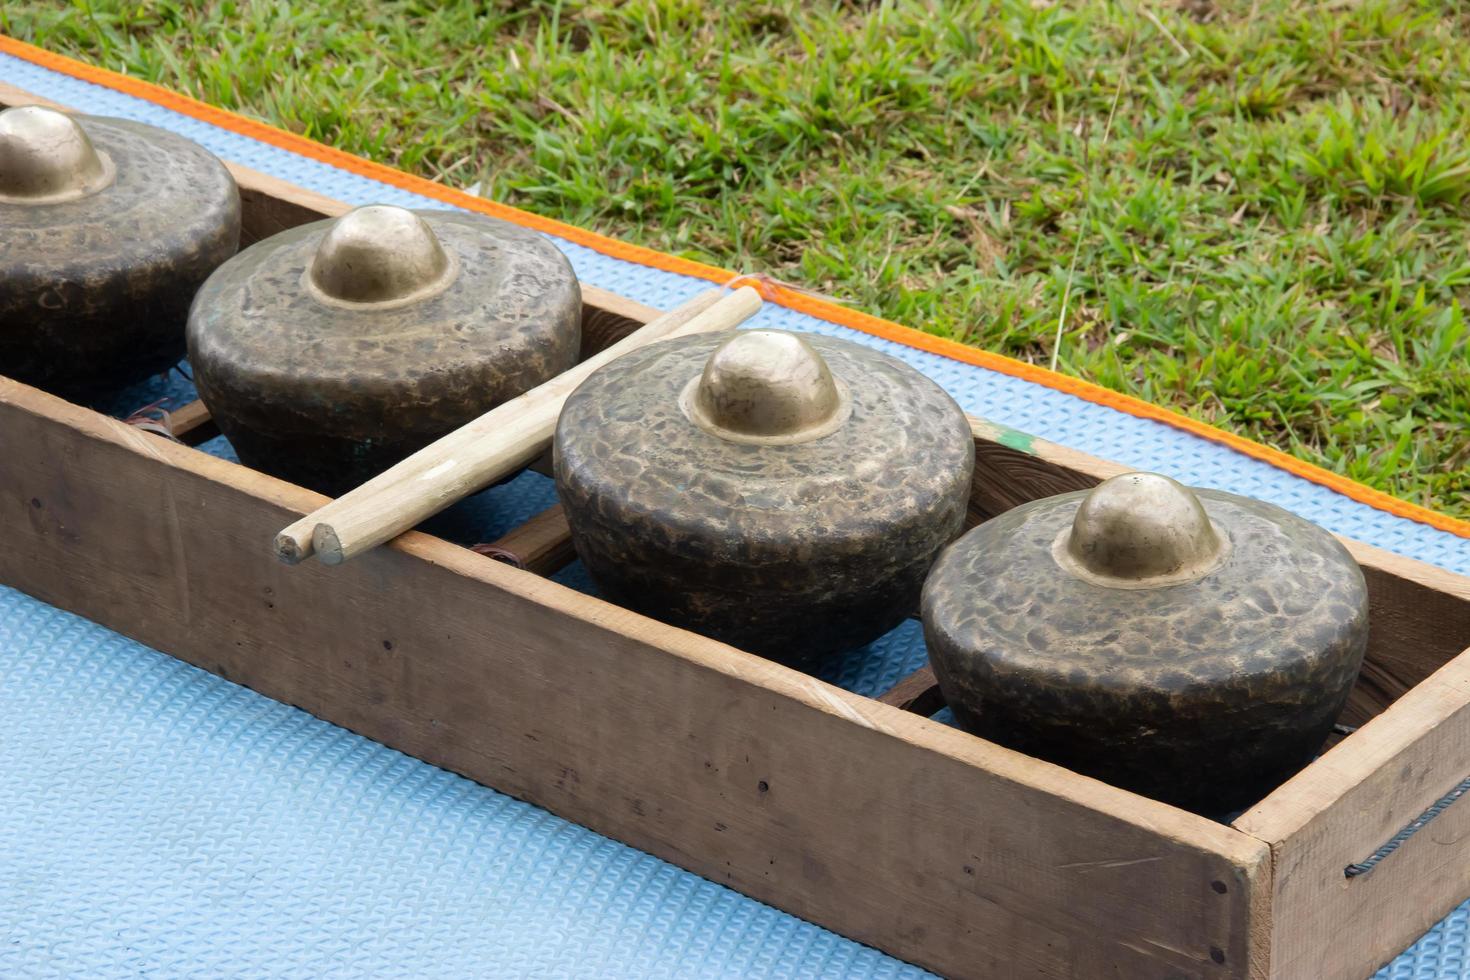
(791, 551)
(94, 292)
(1206, 694)
(327, 396)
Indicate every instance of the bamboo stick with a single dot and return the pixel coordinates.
(475, 455)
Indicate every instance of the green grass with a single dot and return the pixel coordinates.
(1272, 235)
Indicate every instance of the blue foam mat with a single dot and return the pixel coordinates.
(158, 819)
(161, 821)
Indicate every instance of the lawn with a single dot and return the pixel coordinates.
(1253, 212)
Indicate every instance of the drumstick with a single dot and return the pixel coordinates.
(477, 454)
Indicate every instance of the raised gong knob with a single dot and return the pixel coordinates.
(46, 158)
(1140, 531)
(379, 255)
(766, 386)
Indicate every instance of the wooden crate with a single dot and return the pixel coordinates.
(860, 814)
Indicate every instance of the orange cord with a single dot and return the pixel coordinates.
(769, 289)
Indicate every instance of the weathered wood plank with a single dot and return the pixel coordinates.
(885, 826)
(918, 692)
(192, 424)
(269, 205)
(1013, 468)
(1345, 805)
(607, 318)
(542, 544)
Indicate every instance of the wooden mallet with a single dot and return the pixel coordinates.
(477, 454)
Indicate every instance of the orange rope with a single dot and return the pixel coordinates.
(782, 295)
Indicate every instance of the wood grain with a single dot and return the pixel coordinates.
(608, 318)
(887, 827)
(1348, 803)
(1412, 695)
(918, 692)
(1013, 468)
(541, 544)
(192, 424)
(269, 205)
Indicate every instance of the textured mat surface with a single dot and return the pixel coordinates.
(159, 819)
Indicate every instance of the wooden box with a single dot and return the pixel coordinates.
(860, 814)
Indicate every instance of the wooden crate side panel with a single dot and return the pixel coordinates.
(886, 827)
(1013, 468)
(1425, 610)
(1344, 807)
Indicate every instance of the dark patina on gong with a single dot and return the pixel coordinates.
(1190, 645)
(107, 229)
(784, 493)
(329, 352)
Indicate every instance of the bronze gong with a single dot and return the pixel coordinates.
(1191, 645)
(782, 492)
(331, 351)
(107, 229)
